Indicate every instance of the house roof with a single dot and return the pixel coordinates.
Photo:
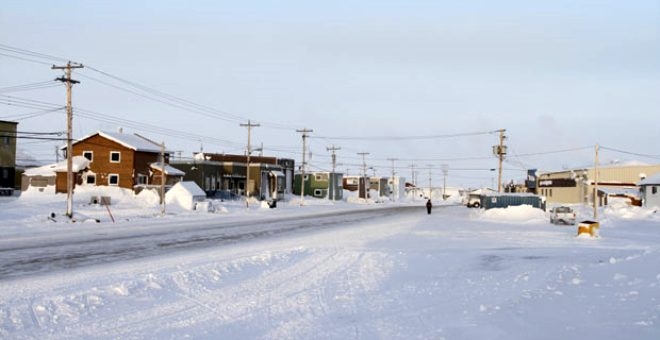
(169, 170)
(79, 163)
(651, 180)
(131, 141)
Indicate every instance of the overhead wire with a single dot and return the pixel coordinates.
(630, 152)
(30, 87)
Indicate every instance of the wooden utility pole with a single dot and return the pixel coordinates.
(395, 189)
(414, 188)
(334, 156)
(69, 131)
(596, 184)
(430, 180)
(333, 175)
(364, 174)
(162, 178)
(445, 171)
(304, 162)
(249, 127)
(500, 151)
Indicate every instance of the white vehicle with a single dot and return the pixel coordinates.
(563, 215)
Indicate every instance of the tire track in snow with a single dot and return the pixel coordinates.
(45, 256)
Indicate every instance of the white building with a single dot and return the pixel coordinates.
(649, 191)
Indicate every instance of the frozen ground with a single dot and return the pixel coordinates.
(456, 274)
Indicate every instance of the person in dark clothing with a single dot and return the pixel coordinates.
(429, 205)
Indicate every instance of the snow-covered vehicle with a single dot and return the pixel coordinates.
(473, 201)
(564, 215)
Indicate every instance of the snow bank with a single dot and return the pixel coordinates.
(519, 214)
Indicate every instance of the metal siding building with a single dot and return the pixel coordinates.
(576, 185)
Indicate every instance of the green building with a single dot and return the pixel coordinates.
(321, 185)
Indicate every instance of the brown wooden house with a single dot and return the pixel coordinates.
(125, 160)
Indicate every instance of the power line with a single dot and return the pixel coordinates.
(26, 52)
(29, 87)
(179, 102)
(399, 138)
(631, 153)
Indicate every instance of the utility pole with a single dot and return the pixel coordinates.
(395, 191)
(414, 188)
(69, 131)
(249, 127)
(304, 132)
(364, 172)
(333, 175)
(430, 178)
(596, 183)
(500, 151)
(162, 178)
(445, 171)
(334, 156)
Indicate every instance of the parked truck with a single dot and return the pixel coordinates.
(563, 215)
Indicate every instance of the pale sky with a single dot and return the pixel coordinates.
(556, 75)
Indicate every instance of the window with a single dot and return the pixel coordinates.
(318, 192)
(91, 179)
(6, 139)
(654, 190)
(113, 179)
(115, 156)
(141, 179)
(89, 155)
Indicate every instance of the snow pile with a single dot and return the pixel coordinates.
(517, 214)
(621, 210)
(185, 195)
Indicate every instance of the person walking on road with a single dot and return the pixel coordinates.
(429, 205)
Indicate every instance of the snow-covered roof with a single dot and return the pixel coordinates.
(651, 180)
(131, 141)
(602, 165)
(79, 163)
(620, 191)
(169, 170)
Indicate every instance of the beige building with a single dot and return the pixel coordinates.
(577, 185)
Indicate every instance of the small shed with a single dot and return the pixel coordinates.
(648, 189)
(186, 194)
(54, 175)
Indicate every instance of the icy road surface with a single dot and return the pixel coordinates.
(456, 274)
(31, 254)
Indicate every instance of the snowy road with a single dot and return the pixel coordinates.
(387, 274)
(30, 255)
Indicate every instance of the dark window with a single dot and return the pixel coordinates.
(113, 179)
(89, 155)
(115, 157)
(91, 179)
(654, 189)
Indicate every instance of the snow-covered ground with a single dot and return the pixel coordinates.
(456, 274)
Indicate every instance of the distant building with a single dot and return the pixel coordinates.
(54, 175)
(650, 194)
(356, 183)
(577, 185)
(397, 187)
(380, 185)
(7, 157)
(124, 160)
(321, 185)
(225, 176)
